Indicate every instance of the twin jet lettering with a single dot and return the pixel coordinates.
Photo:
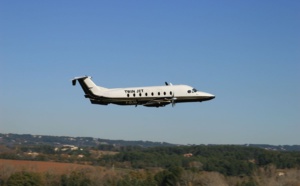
(152, 96)
(134, 91)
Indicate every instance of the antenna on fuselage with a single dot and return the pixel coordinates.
(168, 84)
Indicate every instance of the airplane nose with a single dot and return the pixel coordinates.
(209, 96)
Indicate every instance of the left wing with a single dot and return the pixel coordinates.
(161, 102)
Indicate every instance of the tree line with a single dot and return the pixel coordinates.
(228, 160)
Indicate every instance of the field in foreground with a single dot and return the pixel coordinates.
(17, 172)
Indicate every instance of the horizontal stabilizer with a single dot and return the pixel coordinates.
(73, 82)
(78, 78)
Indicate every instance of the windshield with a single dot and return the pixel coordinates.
(194, 90)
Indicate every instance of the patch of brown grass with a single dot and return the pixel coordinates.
(40, 166)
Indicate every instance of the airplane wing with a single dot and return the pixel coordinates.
(158, 102)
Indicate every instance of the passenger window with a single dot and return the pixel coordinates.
(164, 93)
(133, 95)
(170, 92)
(140, 94)
(152, 94)
(127, 95)
(189, 91)
(146, 94)
(158, 93)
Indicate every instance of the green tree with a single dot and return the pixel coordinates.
(169, 177)
(24, 179)
(76, 178)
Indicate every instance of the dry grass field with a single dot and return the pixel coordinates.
(40, 166)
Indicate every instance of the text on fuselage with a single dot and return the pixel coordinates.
(134, 91)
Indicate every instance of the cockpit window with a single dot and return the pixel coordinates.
(192, 91)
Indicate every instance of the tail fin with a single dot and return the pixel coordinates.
(90, 89)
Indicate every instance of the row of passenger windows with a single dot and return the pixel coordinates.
(152, 94)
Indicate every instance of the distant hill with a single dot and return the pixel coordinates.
(277, 147)
(28, 139)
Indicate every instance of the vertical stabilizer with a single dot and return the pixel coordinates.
(88, 86)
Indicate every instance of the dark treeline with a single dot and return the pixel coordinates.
(28, 139)
(227, 160)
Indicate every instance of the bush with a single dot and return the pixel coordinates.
(24, 178)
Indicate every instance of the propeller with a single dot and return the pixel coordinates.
(173, 100)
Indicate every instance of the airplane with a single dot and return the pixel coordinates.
(151, 96)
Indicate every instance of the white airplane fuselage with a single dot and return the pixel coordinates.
(151, 96)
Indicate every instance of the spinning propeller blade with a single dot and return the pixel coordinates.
(173, 100)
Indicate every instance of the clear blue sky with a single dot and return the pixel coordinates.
(247, 53)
